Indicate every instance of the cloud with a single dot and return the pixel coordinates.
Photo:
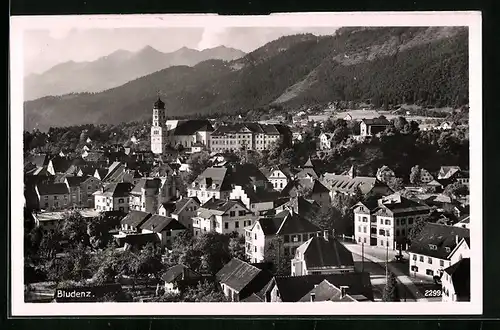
(59, 33)
(212, 37)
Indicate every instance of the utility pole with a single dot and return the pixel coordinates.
(386, 262)
(362, 257)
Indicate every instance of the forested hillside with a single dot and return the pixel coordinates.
(426, 66)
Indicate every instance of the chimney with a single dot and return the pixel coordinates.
(343, 291)
(313, 296)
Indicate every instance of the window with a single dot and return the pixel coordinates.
(421, 258)
(359, 228)
(441, 263)
(381, 232)
(304, 237)
(169, 233)
(447, 249)
(403, 232)
(388, 222)
(359, 239)
(397, 232)
(120, 200)
(415, 257)
(397, 222)
(365, 219)
(432, 247)
(429, 272)
(254, 249)
(56, 204)
(56, 197)
(410, 221)
(311, 235)
(255, 236)
(387, 243)
(226, 225)
(237, 224)
(364, 240)
(381, 243)
(241, 213)
(429, 260)
(286, 239)
(381, 221)
(121, 209)
(46, 204)
(403, 222)
(364, 229)
(232, 213)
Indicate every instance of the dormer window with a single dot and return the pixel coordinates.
(193, 184)
(448, 250)
(432, 247)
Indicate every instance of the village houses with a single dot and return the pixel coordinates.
(52, 196)
(113, 197)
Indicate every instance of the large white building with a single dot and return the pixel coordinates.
(114, 197)
(436, 248)
(386, 222)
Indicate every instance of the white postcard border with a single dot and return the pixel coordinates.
(19, 24)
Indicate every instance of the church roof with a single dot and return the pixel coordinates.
(159, 104)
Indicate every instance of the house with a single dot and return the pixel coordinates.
(445, 125)
(280, 175)
(311, 169)
(386, 222)
(326, 141)
(100, 173)
(214, 182)
(307, 208)
(256, 199)
(321, 255)
(448, 172)
(464, 222)
(299, 288)
(177, 278)
(145, 196)
(369, 127)
(455, 282)
(462, 177)
(132, 222)
(436, 248)
(113, 197)
(164, 227)
(222, 216)
(52, 196)
(314, 188)
(81, 190)
(288, 226)
(166, 208)
(185, 209)
(239, 279)
(350, 183)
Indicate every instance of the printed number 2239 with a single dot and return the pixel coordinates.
(432, 293)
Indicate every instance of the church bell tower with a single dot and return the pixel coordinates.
(158, 128)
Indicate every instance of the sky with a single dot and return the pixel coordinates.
(45, 48)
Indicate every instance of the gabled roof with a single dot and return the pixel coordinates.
(52, 189)
(218, 176)
(75, 181)
(319, 252)
(121, 189)
(190, 127)
(293, 223)
(135, 218)
(218, 206)
(286, 170)
(446, 172)
(319, 188)
(240, 275)
(312, 163)
(400, 205)
(326, 291)
(158, 223)
(269, 225)
(60, 164)
(302, 206)
(348, 184)
(146, 183)
(293, 288)
(139, 239)
(440, 236)
(183, 202)
(178, 273)
(39, 160)
(460, 275)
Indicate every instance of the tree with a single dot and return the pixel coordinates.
(304, 190)
(148, 261)
(416, 175)
(325, 218)
(205, 291)
(274, 253)
(214, 250)
(237, 247)
(391, 289)
(399, 123)
(414, 232)
(198, 162)
(456, 189)
(74, 228)
(396, 184)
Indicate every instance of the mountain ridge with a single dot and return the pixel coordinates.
(115, 69)
(384, 65)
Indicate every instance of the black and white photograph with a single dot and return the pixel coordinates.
(286, 164)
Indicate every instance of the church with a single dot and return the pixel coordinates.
(172, 133)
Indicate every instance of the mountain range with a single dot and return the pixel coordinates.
(115, 69)
(420, 65)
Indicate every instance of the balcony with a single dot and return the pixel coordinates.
(373, 235)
